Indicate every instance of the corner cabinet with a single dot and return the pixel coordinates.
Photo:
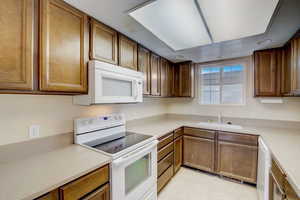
(144, 66)
(16, 35)
(103, 43)
(64, 39)
(128, 53)
(155, 75)
(184, 80)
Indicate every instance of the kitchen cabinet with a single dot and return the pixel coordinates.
(184, 80)
(295, 66)
(267, 76)
(155, 75)
(163, 77)
(170, 79)
(17, 45)
(50, 196)
(178, 150)
(103, 43)
(64, 47)
(289, 191)
(128, 53)
(237, 156)
(99, 194)
(144, 67)
(199, 153)
(286, 71)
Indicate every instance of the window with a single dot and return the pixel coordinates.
(222, 85)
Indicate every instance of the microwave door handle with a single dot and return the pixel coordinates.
(136, 153)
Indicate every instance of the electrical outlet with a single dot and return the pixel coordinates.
(34, 131)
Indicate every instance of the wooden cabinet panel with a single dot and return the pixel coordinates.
(144, 66)
(196, 132)
(178, 132)
(164, 140)
(246, 139)
(163, 77)
(267, 73)
(237, 161)
(84, 185)
(16, 39)
(199, 153)
(170, 80)
(103, 43)
(186, 80)
(100, 194)
(128, 51)
(165, 163)
(295, 63)
(50, 196)
(289, 191)
(63, 47)
(178, 145)
(278, 173)
(165, 178)
(165, 151)
(286, 71)
(155, 75)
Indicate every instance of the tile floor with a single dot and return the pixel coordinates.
(189, 184)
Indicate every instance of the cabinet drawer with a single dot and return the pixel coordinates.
(165, 164)
(49, 196)
(165, 151)
(84, 185)
(199, 133)
(165, 140)
(164, 178)
(278, 173)
(178, 133)
(238, 138)
(100, 194)
(289, 191)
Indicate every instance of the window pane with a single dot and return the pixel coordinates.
(210, 85)
(232, 94)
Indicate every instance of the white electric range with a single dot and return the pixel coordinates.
(134, 166)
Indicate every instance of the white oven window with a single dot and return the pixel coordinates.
(116, 87)
(137, 172)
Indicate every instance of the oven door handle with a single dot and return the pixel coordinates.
(137, 153)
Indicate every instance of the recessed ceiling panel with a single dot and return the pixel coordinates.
(235, 19)
(177, 23)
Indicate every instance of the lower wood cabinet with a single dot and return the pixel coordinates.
(50, 196)
(237, 161)
(100, 194)
(199, 153)
(178, 145)
(165, 178)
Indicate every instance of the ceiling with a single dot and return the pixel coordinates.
(285, 22)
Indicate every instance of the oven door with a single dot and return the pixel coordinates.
(113, 87)
(134, 174)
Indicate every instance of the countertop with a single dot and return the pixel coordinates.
(284, 143)
(35, 175)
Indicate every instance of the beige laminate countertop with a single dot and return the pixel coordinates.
(284, 143)
(28, 178)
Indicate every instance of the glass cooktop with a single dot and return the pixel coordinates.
(122, 143)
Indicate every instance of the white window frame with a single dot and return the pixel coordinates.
(223, 64)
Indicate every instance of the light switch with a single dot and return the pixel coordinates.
(34, 131)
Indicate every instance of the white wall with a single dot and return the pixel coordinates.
(55, 114)
(289, 110)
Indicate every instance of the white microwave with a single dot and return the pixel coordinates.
(109, 83)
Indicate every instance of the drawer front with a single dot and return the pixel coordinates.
(165, 140)
(208, 134)
(178, 132)
(278, 173)
(50, 196)
(165, 164)
(100, 194)
(165, 178)
(238, 138)
(84, 185)
(165, 151)
(290, 192)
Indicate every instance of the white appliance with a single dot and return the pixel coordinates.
(109, 83)
(264, 164)
(134, 156)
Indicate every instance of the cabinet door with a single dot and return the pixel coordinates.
(178, 144)
(186, 80)
(170, 75)
(63, 47)
(50, 196)
(144, 66)
(199, 153)
(104, 43)
(237, 161)
(295, 55)
(266, 72)
(155, 75)
(100, 194)
(163, 77)
(127, 53)
(16, 44)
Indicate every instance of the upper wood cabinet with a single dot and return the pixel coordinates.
(163, 77)
(16, 44)
(63, 47)
(295, 66)
(170, 80)
(155, 75)
(103, 43)
(144, 66)
(186, 79)
(267, 68)
(128, 50)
